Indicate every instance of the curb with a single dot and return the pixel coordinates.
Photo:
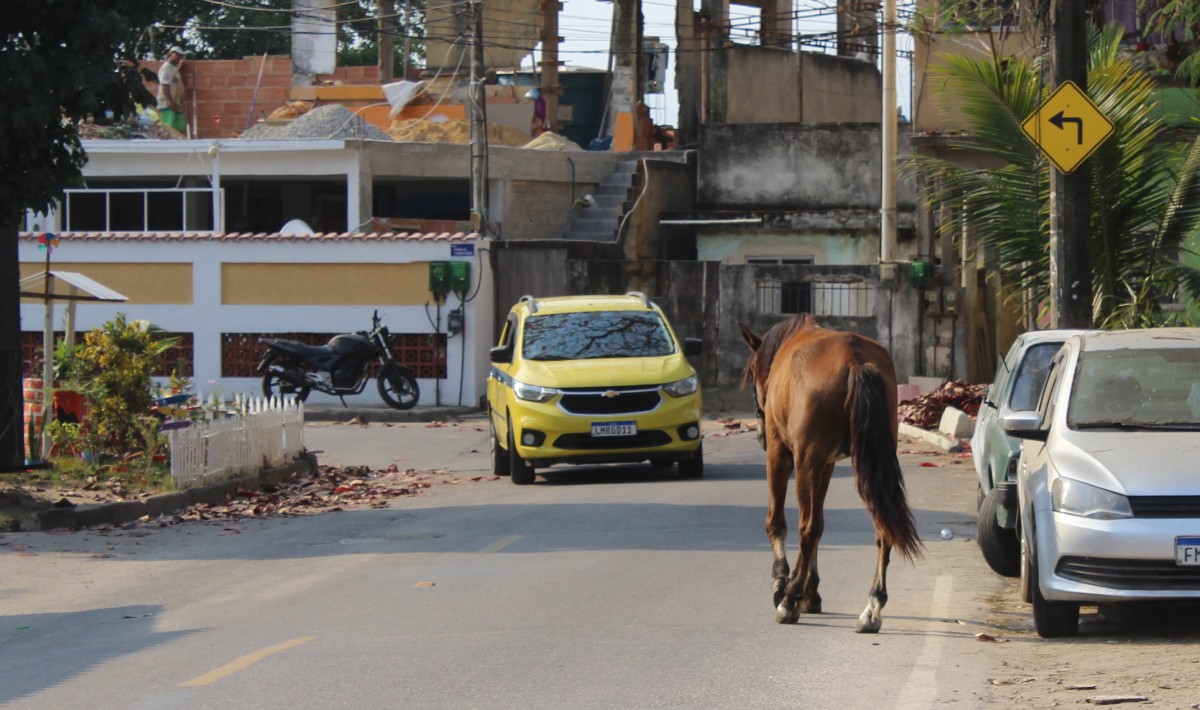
(338, 414)
(126, 511)
(946, 443)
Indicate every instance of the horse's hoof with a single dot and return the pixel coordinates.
(785, 615)
(778, 592)
(867, 625)
(808, 607)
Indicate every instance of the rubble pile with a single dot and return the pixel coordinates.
(129, 130)
(925, 412)
(329, 122)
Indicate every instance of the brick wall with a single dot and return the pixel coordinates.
(220, 92)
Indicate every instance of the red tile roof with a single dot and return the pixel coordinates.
(264, 236)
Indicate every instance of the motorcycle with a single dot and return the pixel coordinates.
(342, 367)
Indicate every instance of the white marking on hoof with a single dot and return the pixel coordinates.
(867, 623)
(784, 615)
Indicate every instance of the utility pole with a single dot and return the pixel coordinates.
(888, 130)
(407, 37)
(479, 138)
(387, 26)
(1070, 208)
(551, 89)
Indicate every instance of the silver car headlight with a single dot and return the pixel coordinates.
(1070, 496)
(533, 393)
(682, 388)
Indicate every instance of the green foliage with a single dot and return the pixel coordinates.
(113, 368)
(66, 436)
(33, 439)
(1145, 189)
(253, 27)
(66, 365)
(1173, 18)
(60, 59)
(993, 21)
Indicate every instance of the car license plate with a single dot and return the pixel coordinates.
(1187, 551)
(602, 429)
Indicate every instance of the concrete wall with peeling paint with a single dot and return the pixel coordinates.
(793, 166)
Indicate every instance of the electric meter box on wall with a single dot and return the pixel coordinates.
(449, 277)
(460, 276)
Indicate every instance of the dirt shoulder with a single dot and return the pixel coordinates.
(25, 494)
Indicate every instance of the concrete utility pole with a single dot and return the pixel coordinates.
(1070, 206)
(627, 48)
(888, 130)
(387, 25)
(550, 87)
(407, 24)
(479, 138)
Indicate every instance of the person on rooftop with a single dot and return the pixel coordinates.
(170, 91)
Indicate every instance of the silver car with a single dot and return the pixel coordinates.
(1016, 386)
(1109, 475)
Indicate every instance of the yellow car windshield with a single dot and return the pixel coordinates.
(586, 335)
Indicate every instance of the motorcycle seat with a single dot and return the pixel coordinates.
(298, 348)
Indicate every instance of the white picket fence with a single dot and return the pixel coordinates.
(265, 433)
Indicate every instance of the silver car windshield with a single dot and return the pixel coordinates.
(1136, 388)
(588, 335)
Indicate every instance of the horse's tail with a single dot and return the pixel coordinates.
(876, 467)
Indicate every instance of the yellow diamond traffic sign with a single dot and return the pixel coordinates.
(1067, 127)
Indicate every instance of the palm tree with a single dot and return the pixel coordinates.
(1145, 185)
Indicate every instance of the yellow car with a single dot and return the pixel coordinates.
(592, 379)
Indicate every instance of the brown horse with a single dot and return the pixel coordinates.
(823, 395)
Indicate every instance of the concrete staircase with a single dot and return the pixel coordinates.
(599, 222)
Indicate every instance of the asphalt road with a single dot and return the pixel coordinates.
(604, 587)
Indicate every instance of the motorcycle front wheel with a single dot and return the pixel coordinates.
(274, 386)
(398, 387)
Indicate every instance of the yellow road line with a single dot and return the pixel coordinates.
(245, 661)
(500, 544)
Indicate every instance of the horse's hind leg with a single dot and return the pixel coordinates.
(870, 621)
(812, 483)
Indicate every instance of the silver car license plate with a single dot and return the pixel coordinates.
(603, 429)
(1187, 551)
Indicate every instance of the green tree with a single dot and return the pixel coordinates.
(1179, 19)
(113, 367)
(253, 27)
(1145, 186)
(61, 60)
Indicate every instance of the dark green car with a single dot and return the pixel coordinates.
(1016, 387)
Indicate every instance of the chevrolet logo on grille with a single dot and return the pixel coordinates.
(609, 394)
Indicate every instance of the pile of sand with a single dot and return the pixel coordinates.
(292, 109)
(422, 131)
(552, 141)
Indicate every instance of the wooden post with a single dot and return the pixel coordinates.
(1070, 206)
